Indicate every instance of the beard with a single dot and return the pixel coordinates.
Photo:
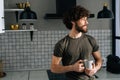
(80, 28)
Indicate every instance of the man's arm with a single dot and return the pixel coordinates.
(56, 67)
(96, 66)
(98, 60)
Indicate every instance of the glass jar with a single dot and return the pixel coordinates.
(31, 26)
(24, 27)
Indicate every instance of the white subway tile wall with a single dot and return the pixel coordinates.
(18, 52)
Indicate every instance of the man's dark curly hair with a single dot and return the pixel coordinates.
(74, 14)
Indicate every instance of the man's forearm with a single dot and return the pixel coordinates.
(98, 64)
(61, 69)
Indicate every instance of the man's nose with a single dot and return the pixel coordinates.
(87, 22)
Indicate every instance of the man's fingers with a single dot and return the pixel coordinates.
(80, 61)
(93, 64)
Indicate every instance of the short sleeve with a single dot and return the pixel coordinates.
(93, 43)
(95, 47)
(58, 49)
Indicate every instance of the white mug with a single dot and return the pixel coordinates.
(89, 64)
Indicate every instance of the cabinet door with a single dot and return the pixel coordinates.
(117, 28)
(2, 25)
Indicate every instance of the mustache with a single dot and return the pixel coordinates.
(84, 25)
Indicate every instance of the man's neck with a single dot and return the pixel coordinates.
(75, 34)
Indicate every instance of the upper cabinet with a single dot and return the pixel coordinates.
(2, 25)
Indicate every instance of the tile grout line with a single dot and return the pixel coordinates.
(28, 75)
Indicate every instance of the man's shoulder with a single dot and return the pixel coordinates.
(89, 36)
(63, 40)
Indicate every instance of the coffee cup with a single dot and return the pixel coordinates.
(88, 64)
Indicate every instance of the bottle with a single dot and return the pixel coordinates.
(24, 26)
(27, 4)
(16, 26)
(12, 26)
(31, 26)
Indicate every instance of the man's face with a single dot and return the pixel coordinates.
(81, 25)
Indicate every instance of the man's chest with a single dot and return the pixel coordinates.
(79, 49)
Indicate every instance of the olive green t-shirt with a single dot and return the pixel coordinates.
(74, 49)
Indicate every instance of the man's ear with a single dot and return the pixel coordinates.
(73, 23)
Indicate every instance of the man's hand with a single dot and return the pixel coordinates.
(92, 71)
(78, 66)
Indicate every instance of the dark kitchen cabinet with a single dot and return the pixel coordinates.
(64, 5)
(61, 7)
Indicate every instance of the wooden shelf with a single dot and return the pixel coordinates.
(19, 30)
(28, 20)
(10, 10)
